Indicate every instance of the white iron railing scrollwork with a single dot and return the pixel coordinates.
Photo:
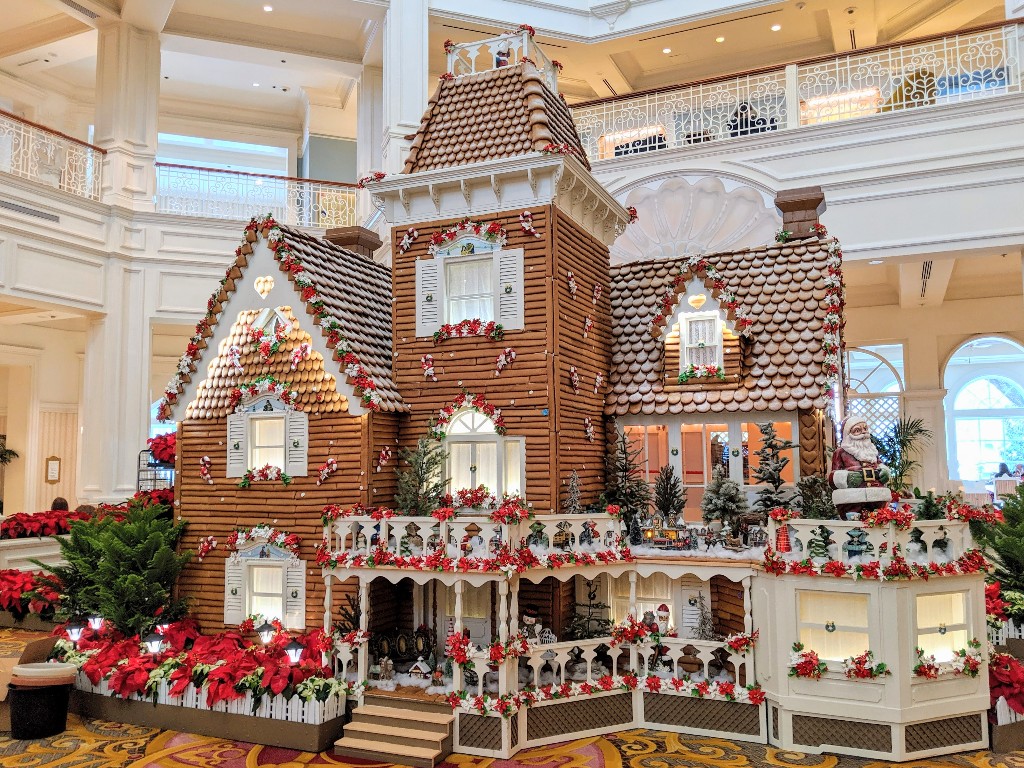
(220, 194)
(971, 65)
(49, 157)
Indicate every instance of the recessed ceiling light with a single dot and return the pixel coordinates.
(268, 8)
(666, 50)
(719, 39)
(776, 27)
(875, 261)
(255, 85)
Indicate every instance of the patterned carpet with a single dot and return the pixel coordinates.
(98, 744)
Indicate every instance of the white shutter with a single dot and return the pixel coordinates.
(510, 289)
(234, 591)
(237, 451)
(429, 298)
(296, 447)
(295, 594)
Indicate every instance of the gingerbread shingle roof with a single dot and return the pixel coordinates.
(782, 287)
(498, 113)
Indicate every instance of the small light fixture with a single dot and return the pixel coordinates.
(153, 643)
(95, 622)
(294, 650)
(719, 39)
(268, 8)
(255, 85)
(266, 632)
(666, 50)
(875, 261)
(74, 631)
(776, 27)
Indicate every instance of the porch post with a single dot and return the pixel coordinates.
(513, 619)
(633, 654)
(363, 663)
(748, 619)
(503, 634)
(458, 586)
(327, 602)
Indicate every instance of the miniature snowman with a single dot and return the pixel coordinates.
(662, 615)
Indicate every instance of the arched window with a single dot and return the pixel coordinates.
(875, 376)
(477, 455)
(984, 408)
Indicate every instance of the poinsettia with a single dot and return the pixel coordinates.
(163, 447)
(132, 676)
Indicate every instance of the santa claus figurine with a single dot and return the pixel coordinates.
(858, 477)
(662, 614)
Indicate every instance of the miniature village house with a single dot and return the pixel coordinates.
(503, 335)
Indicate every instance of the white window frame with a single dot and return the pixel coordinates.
(250, 587)
(682, 615)
(296, 436)
(837, 619)
(685, 319)
(488, 436)
(965, 625)
(250, 436)
(490, 262)
(238, 583)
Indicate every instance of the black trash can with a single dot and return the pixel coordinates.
(38, 711)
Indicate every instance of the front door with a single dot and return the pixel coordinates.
(476, 612)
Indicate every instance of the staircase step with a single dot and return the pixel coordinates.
(398, 733)
(417, 757)
(439, 705)
(399, 718)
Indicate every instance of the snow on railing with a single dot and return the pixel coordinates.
(186, 190)
(50, 157)
(953, 68)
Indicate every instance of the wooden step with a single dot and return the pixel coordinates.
(416, 704)
(403, 718)
(387, 752)
(396, 734)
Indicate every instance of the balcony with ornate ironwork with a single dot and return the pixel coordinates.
(501, 51)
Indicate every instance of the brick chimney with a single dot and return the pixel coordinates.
(800, 209)
(358, 239)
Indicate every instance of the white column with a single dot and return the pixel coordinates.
(927, 405)
(513, 608)
(632, 593)
(405, 78)
(327, 602)
(115, 390)
(503, 610)
(369, 131)
(127, 106)
(458, 587)
(1014, 9)
(363, 657)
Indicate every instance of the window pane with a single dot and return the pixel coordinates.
(264, 432)
(476, 602)
(487, 465)
(823, 607)
(269, 607)
(833, 646)
(460, 459)
(692, 445)
(513, 468)
(259, 457)
(470, 290)
(942, 647)
(946, 608)
(481, 307)
(266, 579)
(717, 448)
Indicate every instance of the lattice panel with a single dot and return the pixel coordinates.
(775, 722)
(944, 733)
(515, 729)
(581, 715)
(816, 731)
(881, 413)
(479, 732)
(705, 714)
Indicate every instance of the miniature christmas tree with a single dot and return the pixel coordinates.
(770, 466)
(817, 545)
(669, 494)
(723, 500)
(705, 627)
(814, 498)
(590, 619)
(636, 537)
(626, 486)
(1005, 544)
(421, 486)
(572, 495)
(929, 509)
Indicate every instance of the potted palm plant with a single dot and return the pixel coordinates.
(897, 449)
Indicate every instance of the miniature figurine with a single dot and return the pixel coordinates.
(858, 477)
(662, 615)
(531, 624)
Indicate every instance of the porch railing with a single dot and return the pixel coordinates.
(40, 154)
(975, 64)
(186, 190)
(501, 51)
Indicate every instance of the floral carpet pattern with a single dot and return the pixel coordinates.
(99, 744)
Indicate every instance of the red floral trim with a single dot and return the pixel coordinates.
(804, 663)
(465, 400)
(492, 233)
(972, 561)
(372, 178)
(465, 328)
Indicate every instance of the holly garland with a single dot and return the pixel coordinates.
(261, 386)
(508, 704)
(438, 430)
(697, 266)
(268, 472)
(492, 233)
(833, 303)
(864, 667)
(552, 148)
(702, 372)
(267, 343)
(466, 328)
(242, 536)
(805, 663)
(972, 561)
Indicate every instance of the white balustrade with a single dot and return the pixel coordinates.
(219, 194)
(702, 659)
(49, 157)
(574, 661)
(853, 541)
(501, 51)
(950, 69)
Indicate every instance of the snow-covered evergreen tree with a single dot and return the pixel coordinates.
(723, 500)
(572, 495)
(768, 472)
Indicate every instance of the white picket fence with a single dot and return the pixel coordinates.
(1006, 631)
(293, 710)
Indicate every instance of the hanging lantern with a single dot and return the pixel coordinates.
(294, 650)
(95, 622)
(266, 632)
(153, 643)
(74, 631)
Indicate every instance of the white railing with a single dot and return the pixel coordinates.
(19, 553)
(853, 542)
(49, 157)
(473, 534)
(704, 659)
(501, 51)
(961, 67)
(186, 190)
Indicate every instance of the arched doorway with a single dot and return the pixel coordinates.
(984, 406)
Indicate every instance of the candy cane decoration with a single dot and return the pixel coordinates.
(588, 428)
(504, 360)
(427, 364)
(570, 278)
(383, 458)
(235, 359)
(407, 239)
(588, 323)
(574, 379)
(598, 381)
(327, 469)
(300, 353)
(597, 293)
(204, 469)
(526, 222)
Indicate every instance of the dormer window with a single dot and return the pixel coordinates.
(701, 339)
(469, 278)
